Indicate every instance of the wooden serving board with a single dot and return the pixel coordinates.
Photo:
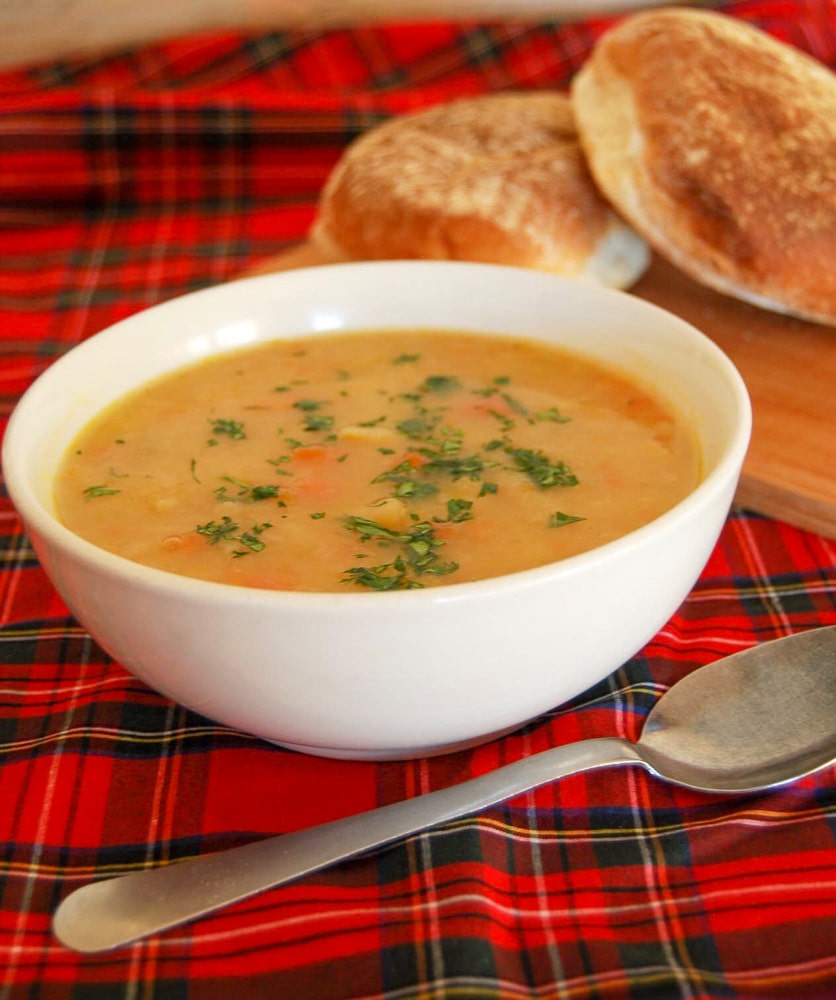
(789, 367)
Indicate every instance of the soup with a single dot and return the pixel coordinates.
(375, 461)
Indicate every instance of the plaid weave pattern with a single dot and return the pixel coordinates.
(130, 179)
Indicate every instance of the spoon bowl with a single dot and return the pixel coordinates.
(752, 721)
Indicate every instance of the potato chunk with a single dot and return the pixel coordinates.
(391, 513)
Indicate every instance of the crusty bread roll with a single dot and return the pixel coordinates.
(718, 143)
(498, 178)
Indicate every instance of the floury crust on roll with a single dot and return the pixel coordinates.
(718, 144)
(499, 179)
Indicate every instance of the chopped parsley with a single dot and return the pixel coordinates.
(542, 470)
(456, 466)
(417, 555)
(457, 511)
(440, 383)
(317, 422)
(418, 427)
(216, 531)
(222, 427)
(559, 519)
(387, 576)
(264, 492)
(99, 491)
(514, 404)
(225, 531)
(406, 484)
(554, 415)
(506, 423)
(245, 492)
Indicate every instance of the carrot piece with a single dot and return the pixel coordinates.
(310, 453)
(315, 488)
(475, 530)
(443, 532)
(184, 541)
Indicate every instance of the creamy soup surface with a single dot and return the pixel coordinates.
(375, 461)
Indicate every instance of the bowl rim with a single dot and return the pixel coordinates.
(32, 510)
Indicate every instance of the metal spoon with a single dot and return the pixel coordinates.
(760, 718)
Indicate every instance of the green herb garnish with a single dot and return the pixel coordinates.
(225, 531)
(457, 510)
(251, 539)
(419, 427)
(246, 492)
(418, 555)
(505, 422)
(99, 491)
(315, 422)
(554, 415)
(559, 519)
(540, 469)
(455, 466)
(440, 383)
(267, 492)
(216, 531)
(229, 428)
(515, 404)
(387, 576)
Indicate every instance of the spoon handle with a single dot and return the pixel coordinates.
(116, 911)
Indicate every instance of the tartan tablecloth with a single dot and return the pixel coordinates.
(130, 179)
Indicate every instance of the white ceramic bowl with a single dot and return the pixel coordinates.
(397, 674)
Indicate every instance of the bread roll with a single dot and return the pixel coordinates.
(718, 144)
(498, 178)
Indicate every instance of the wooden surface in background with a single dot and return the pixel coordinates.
(789, 367)
(59, 29)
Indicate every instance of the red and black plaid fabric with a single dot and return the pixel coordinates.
(134, 178)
